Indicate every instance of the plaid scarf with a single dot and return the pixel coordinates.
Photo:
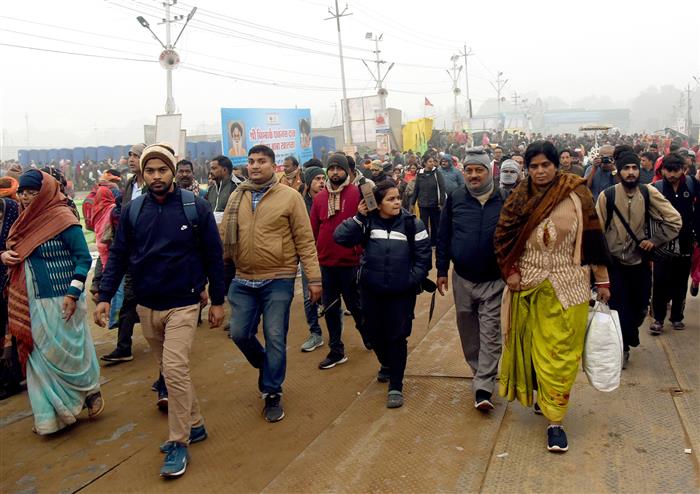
(194, 188)
(527, 206)
(334, 204)
(229, 222)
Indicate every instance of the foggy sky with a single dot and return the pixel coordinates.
(568, 50)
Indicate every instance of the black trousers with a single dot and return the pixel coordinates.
(337, 282)
(670, 284)
(431, 216)
(388, 322)
(630, 288)
(127, 316)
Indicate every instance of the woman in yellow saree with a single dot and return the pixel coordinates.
(547, 241)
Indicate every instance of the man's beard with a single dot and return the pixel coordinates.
(630, 184)
(335, 180)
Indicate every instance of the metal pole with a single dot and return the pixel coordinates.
(466, 81)
(382, 100)
(170, 101)
(346, 110)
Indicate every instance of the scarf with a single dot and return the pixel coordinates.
(484, 188)
(527, 206)
(47, 216)
(194, 188)
(8, 187)
(229, 222)
(291, 178)
(409, 177)
(334, 204)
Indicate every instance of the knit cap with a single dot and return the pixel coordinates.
(477, 156)
(627, 158)
(137, 149)
(312, 172)
(161, 151)
(31, 179)
(340, 160)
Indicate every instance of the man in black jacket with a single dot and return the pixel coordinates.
(430, 194)
(467, 226)
(671, 275)
(172, 247)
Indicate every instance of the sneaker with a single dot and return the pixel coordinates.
(162, 402)
(694, 289)
(482, 401)
(312, 343)
(117, 357)
(394, 399)
(95, 404)
(175, 462)
(273, 410)
(383, 375)
(197, 435)
(537, 409)
(656, 328)
(556, 439)
(332, 360)
(678, 325)
(625, 358)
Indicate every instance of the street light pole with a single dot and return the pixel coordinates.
(346, 115)
(466, 54)
(170, 101)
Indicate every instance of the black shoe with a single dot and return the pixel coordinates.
(482, 401)
(625, 358)
(537, 409)
(332, 360)
(162, 402)
(117, 357)
(273, 411)
(556, 439)
(694, 289)
(383, 375)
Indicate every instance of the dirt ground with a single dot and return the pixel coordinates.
(339, 437)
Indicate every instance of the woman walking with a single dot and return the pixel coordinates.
(49, 261)
(396, 259)
(547, 240)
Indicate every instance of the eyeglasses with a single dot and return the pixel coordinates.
(28, 192)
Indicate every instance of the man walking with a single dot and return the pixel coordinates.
(169, 241)
(430, 195)
(221, 170)
(467, 226)
(334, 204)
(671, 273)
(292, 176)
(451, 176)
(599, 176)
(266, 232)
(127, 313)
(623, 211)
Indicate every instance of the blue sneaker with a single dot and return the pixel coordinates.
(175, 462)
(197, 435)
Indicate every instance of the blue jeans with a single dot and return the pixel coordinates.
(117, 302)
(272, 303)
(310, 309)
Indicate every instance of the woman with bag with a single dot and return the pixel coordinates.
(396, 259)
(547, 241)
(48, 262)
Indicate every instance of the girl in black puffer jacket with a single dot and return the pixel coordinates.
(397, 257)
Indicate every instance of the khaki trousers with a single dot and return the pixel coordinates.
(170, 333)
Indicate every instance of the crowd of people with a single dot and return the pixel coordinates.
(528, 231)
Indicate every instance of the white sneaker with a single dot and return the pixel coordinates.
(312, 343)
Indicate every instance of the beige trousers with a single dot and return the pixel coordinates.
(170, 333)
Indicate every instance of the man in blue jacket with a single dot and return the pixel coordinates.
(467, 226)
(169, 241)
(452, 177)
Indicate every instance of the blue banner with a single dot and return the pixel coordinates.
(286, 131)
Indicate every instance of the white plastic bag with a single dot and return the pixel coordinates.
(602, 352)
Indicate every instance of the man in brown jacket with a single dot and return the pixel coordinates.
(266, 232)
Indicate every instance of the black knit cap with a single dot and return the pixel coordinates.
(338, 160)
(626, 158)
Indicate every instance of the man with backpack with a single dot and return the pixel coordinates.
(671, 272)
(169, 240)
(626, 210)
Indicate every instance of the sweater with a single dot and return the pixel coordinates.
(330, 254)
(466, 236)
(169, 262)
(688, 206)
(60, 266)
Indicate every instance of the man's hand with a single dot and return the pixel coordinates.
(362, 208)
(68, 308)
(647, 245)
(513, 282)
(10, 258)
(102, 314)
(216, 316)
(315, 292)
(203, 299)
(442, 285)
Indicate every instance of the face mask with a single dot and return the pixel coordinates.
(508, 178)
